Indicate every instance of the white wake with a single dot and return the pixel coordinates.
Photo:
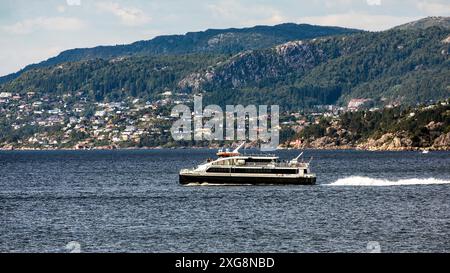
(374, 182)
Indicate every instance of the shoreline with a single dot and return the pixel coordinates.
(336, 148)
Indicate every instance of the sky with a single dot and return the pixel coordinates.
(34, 30)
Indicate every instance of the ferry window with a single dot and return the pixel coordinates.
(218, 170)
(255, 160)
(271, 171)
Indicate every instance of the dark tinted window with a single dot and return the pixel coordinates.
(252, 170)
(266, 160)
(218, 170)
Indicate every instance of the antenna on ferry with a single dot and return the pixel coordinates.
(296, 159)
(238, 147)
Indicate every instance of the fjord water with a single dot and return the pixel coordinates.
(130, 201)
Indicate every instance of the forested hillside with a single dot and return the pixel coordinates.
(407, 66)
(410, 66)
(219, 41)
(112, 80)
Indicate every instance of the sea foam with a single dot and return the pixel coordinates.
(374, 182)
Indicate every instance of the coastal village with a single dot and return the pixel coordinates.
(28, 121)
(74, 122)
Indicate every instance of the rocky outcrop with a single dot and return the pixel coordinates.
(389, 141)
(399, 141)
(446, 40)
(396, 143)
(442, 142)
(434, 125)
(249, 67)
(194, 81)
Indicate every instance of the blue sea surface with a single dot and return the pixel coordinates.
(130, 201)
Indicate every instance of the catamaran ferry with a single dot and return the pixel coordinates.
(234, 168)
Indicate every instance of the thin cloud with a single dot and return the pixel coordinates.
(237, 12)
(129, 16)
(433, 8)
(374, 2)
(359, 20)
(45, 23)
(73, 2)
(61, 8)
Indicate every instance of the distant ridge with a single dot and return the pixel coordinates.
(224, 41)
(434, 21)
